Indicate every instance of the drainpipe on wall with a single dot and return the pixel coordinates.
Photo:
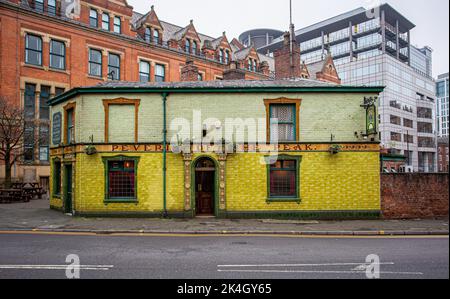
(164, 99)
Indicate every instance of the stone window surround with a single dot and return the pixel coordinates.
(122, 101)
(283, 101)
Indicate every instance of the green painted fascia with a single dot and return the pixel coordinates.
(114, 90)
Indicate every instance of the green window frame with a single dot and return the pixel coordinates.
(271, 162)
(56, 185)
(121, 199)
(292, 123)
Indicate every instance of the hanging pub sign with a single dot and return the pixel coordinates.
(56, 129)
(371, 116)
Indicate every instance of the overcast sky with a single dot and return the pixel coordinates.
(212, 17)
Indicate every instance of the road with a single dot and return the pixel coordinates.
(28, 255)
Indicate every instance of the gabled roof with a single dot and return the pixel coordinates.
(150, 17)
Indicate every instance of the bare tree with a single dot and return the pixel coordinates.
(12, 131)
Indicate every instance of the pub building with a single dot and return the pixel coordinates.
(117, 148)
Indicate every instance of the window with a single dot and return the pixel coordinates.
(200, 77)
(57, 55)
(70, 123)
(221, 56)
(44, 138)
(51, 7)
(396, 137)
(59, 90)
(29, 141)
(39, 5)
(194, 47)
(144, 71)
(93, 18)
(160, 73)
(227, 57)
(255, 66)
(283, 178)
(30, 104)
(148, 34)
(282, 122)
(155, 36)
(408, 123)
(95, 63)
(33, 49)
(105, 21)
(44, 110)
(121, 177)
(250, 62)
(117, 25)
(187, 46)
(56, 178)
(113, 66)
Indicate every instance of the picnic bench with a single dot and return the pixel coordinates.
(14, 195)
(30, 188)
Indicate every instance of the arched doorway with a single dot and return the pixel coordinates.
(205, 179)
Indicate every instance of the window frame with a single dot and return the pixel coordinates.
(115, 25)
(148, 34)
(187, 46)
(39, 51)
(90, 62)
(69, 108)
(39, 5)
(277, 198)
(155, 36)
(63, 56)
(44, 96)
(106, 22)
(92, 18)
(165, 72)
(284, 101)
(113, 67)
(141, 72)
(120, 158)
(51, 9)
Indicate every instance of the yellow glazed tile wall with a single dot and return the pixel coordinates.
(90, 184)
(346, 181)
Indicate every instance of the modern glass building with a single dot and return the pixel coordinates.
(442, 94)
(373, 47)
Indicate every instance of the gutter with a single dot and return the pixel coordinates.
(164, 100)
(206, 89)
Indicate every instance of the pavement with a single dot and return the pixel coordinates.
(36, 216)
(48, 255)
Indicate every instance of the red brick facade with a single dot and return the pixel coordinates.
(414, 195)
(19, 18)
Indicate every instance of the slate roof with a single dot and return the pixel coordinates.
(295, 83)
(315, 68)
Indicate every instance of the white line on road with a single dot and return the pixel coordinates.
(299, 265)
(317, 272)
(58, 267)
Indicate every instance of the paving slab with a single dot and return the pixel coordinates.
(36, 215)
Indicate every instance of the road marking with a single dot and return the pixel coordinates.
(301, 265)
(318, 272)
(58, 267)
(230, 235)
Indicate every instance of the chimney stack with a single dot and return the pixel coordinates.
(287, 59)
(189, 72)
(234, 73)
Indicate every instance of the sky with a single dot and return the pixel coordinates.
(212, 17)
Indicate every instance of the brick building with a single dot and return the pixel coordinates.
(45, 51)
